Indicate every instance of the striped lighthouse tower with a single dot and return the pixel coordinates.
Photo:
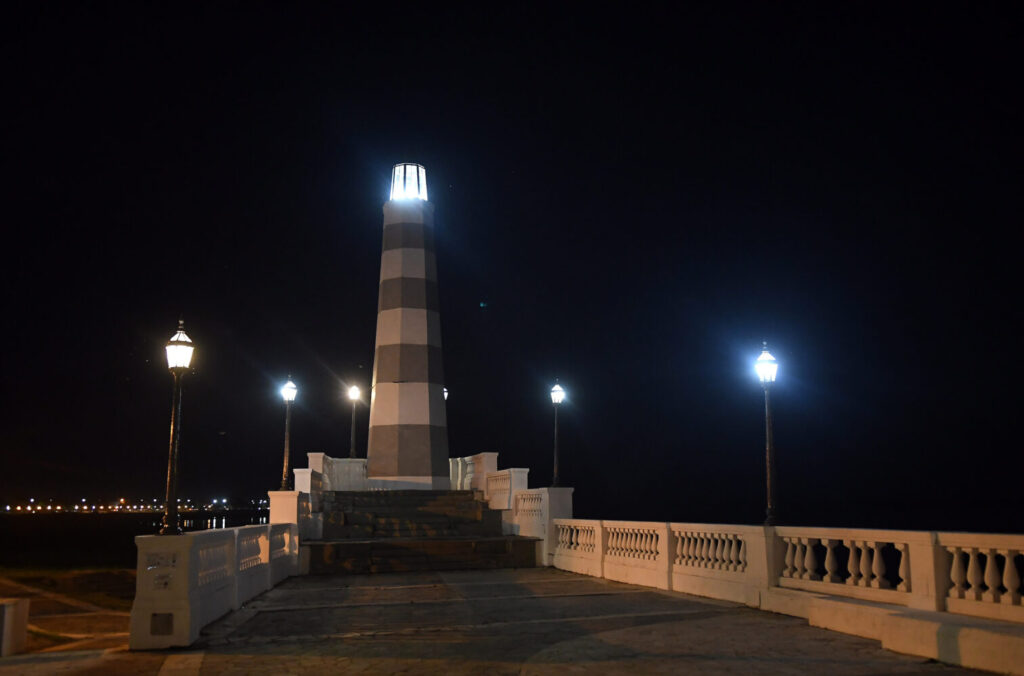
(408, 444)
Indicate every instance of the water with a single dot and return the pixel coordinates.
(86, 540)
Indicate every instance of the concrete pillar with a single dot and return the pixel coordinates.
(408, 441)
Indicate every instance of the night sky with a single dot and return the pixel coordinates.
(627, 200)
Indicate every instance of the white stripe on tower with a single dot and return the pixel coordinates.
(408, 445)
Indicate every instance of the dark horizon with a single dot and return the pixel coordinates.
(630, 204)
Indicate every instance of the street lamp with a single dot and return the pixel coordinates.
(353, 395)
(557, 397)
(179, 355)
(766, 368)
(445, 394)
(288, 392)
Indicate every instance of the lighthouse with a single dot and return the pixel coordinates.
(408, 441)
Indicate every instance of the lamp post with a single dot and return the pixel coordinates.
(445, 393)
(288, 392)
(179, 355)
(557, 397)
(353, 395)
(766, 368)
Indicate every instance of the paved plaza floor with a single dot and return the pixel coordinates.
(526, 621)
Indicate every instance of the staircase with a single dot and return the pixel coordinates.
(397, 531)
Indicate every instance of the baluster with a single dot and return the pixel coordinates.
(992, 577)
(790, 553)
(865, 563)
(743, 555)
(717, 563)
(878, 568)
(811, 561)
(852, 562)
(904, 571)
(679, 549)
(691, 549)
(831, 565)
(974, 576)
(798, 559)
(734, 553)
(957, 575)
(1011, 578)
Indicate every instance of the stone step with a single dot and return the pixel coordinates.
(416, 496)
(334, 527)
(420, 553)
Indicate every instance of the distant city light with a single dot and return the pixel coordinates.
(409, 181)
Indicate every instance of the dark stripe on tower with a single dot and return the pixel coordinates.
(408, 292)
(405, 363)
(423, 448)
(408, 235)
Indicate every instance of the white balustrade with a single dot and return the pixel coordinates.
(503, 484)
(579, 546)
(849, 562)
(184, 582)
(984, 574)
(711, 550)
(638, 552)
(252, 562)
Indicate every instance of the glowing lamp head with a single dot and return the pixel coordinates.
(409, 182)
(766, 366)
(557, 394)
(353, 393)
(179, 349)
(288, 391)
(446, 394)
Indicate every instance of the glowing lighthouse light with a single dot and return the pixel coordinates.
(409, 182)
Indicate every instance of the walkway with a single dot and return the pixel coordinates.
(527, 621)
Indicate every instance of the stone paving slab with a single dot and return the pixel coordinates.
(526, 621)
